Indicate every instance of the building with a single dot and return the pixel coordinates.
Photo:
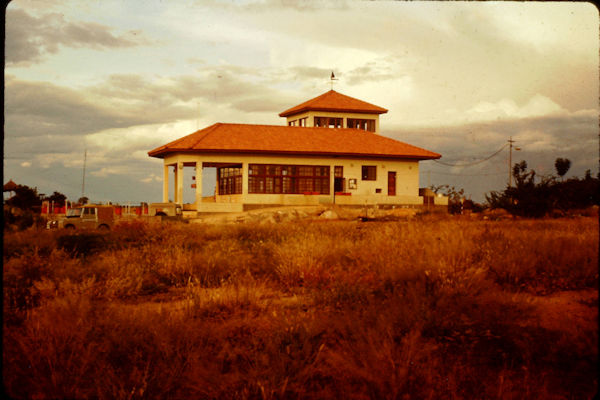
(330, 151)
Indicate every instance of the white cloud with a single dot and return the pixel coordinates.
(106, 171)
(536, 106)
(138, 137)
(546, 28)
(26, 164)
(152, 178)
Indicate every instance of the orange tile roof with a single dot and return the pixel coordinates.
(280, 139)
(10, 186)
(334, 101)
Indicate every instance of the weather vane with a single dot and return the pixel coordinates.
(333, 78)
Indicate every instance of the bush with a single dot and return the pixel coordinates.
(84, 244)
(530, 199)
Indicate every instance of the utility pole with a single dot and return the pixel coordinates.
(510, 142)
(83, 179)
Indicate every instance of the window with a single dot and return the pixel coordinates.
(364, 124)
(292, 123)
(302, 121)
(369, 173)
(328, 122)
(288, 179)
(338, 171)
(89, 211)
(229, 180)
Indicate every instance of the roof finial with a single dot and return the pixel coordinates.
(333, 78)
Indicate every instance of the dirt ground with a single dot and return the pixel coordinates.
(287, 213)
(568, 311)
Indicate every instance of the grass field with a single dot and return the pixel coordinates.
(432, 308)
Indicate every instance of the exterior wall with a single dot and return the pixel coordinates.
(407, 180)
(311, 114)
(440, 200)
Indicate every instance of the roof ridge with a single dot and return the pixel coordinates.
(207, 131)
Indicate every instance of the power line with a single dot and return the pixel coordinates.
(472, 163)
(447, 173)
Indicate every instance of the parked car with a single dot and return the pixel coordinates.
(89, 216)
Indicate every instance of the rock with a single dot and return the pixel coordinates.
(329, 214)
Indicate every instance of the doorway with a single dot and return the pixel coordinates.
(391, 183)
(338, 179)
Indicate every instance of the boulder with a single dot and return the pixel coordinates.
(328, 214)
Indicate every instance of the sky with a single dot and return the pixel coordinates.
(109, 80)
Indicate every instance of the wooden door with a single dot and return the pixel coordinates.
(338, 179)
(391, 183)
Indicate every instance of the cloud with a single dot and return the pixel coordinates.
(541, 139)
(152, 178)
(309, 72)
(30, 38)
(26, 164)
(40, 108)
(127, 100)
(536, 106)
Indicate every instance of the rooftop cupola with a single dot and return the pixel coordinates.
(335, 110)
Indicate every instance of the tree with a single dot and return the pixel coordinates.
(57, 198)
(529, 198)
(25, 198)
(83, 200)
(456, 197)
(526, 198)
(562, 165)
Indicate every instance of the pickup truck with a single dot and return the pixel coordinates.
(86, 217)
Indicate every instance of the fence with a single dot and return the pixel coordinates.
(50, 208)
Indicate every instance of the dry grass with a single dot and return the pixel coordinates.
(430, 308)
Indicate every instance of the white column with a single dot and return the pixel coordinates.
(165, 183)
(332, 182)
(179, 183)
(244, 179)
(198, 185)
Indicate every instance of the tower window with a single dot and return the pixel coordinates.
(364, 124)
(328, 122)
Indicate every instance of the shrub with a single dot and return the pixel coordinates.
(84, 244)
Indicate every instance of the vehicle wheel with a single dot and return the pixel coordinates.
(103, 227)
(70, 227)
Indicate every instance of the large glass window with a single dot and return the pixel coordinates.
(229, 180)
(288, 179)
(364, 124)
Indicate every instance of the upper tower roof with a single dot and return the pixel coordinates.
(335, 102)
